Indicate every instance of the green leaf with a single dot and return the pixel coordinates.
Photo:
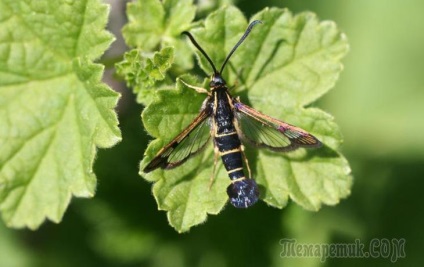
(154, 23)
(303, 65)
(143, 73)
(286, 63)
(54, 110)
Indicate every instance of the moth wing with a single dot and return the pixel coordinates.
(261, 130)
(190, 141)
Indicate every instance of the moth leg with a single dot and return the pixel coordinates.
(198, 89)
(246, 162)
(215, 161)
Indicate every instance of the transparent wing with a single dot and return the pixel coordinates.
(186, 144)
(261, 130)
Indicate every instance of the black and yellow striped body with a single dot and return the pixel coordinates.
(243, 192)
(226, 138)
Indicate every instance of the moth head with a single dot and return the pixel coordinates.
(217, 81)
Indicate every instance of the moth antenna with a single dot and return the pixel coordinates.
(246, 33)
(201, 50)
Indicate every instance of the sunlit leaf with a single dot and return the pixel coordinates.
(144, 73)
(154, 23)
(54, 110)
(286, 63)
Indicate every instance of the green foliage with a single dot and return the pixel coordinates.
(154, 23)
(54, 110)
(286, 63)
(143, 73)
(377, 102)
(61, 110)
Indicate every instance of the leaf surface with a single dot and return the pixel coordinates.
(54, 110)
(154, 23)
(145, 73)
(285, 64)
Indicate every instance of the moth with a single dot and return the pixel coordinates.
(228, 121)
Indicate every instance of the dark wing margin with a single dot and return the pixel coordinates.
(261, 130)
(190, 141)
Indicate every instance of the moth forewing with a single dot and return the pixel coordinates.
(188, 143)
(261, 130)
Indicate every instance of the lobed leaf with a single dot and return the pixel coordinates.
(154, 23)
(54, 110)
(143, 73)
(286, 63)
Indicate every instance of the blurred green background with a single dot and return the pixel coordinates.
(379, 104)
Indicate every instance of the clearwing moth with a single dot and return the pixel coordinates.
(228, 121)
